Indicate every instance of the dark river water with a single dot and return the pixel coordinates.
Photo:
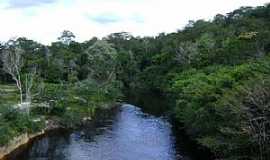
(128, 134)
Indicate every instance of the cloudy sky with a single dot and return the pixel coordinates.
(44, 20)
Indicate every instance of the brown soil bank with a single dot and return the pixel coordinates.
(25, 139)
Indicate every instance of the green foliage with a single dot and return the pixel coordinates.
(77, 100)
(101, 61)
(13, 123)
(212, 105)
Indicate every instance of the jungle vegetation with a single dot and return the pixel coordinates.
(215, 74)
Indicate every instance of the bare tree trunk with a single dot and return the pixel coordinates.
(19, 84)
(12, 64)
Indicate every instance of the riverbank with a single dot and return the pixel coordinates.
(25, 139)
(20, 142)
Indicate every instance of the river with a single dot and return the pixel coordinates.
(127, 134)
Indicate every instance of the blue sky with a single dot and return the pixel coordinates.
(43, 20)
(27, 3)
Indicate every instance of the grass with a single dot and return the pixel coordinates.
(9, 94)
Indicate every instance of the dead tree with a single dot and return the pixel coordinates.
(257, 111)
(12, 64)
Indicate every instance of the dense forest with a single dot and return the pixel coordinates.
(215, 75)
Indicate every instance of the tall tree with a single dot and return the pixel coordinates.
(101, 61)
(66, 37)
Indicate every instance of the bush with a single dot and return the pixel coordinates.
(14, 123)
(6, 133)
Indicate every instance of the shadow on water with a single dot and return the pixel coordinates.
(156, 104)
(149, 102)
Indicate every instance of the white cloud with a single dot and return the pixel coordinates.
(87, 18)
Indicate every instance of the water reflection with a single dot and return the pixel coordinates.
(129, 135)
